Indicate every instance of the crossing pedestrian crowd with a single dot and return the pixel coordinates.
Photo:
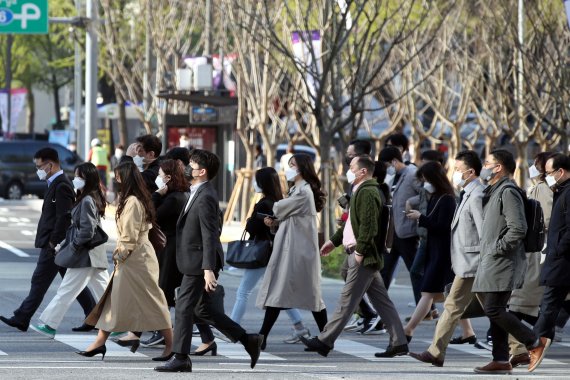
(470, 237)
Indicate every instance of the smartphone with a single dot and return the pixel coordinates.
(263, 216)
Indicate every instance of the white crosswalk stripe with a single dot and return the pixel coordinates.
(363, 351)
(3, 353)
(236, 351)
(81, 342)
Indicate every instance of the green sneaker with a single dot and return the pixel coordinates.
(117, 334)
(44, 330)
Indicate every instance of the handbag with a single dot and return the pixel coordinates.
(249, 254)
(157, 238)
(99, 238)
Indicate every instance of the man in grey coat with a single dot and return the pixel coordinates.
(405, 240)
(466, 229)
(502, 262)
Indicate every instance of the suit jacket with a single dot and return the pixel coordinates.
(466, 231)
(56, 216)
(556, 271)
(406, 188)
(198, 245)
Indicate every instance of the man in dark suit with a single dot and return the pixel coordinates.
(53, 224)
(200, 257)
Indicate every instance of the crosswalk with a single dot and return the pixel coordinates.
(232, 351)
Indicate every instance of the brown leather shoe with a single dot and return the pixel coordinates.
(426, 357)
(495, 368)
(537, 354)
(520, 359)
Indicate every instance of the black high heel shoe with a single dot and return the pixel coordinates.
(96, 351)
(163, 358)
(213, 348)
(132, 343)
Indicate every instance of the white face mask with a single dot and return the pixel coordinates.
(159, 182)
(350, 176)
(42, 174)
(256, 187)
(533, 172)
(429, 187)
(78, 183)
(391, 171)
(290, 174)
(389, 180)
(458, 179)
(119, 153)
(550, 180)
(139, 161)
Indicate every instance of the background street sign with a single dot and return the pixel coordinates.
(24, 16)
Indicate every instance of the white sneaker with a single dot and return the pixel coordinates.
(370, 325)
(296, 336)
(353, 323)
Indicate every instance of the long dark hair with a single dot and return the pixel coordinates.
(92, 187)
(434, 173)
(132, 183)
(380, 171)
(268, 180)
(307, 171)
(177, 180)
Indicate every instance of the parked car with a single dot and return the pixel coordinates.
(18, 172)
(282, 149)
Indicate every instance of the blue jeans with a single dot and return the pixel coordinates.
(250, 278)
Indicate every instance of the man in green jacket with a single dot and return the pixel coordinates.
(358, 236)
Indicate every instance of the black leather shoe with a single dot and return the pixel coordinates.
(393, 351)
(461, 340)
(315, 345)
(175, 365)
(253, 347)
(83, 328)
(12, 322)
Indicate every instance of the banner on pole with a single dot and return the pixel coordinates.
(307, 47)
(17, 106)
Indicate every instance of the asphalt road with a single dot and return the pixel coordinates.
(30, 355)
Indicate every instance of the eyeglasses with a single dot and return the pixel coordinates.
(42, 165)
(551, 172)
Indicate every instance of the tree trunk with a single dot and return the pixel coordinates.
(522, 163)
(30, 110)
(122, 120)
(326, 182)
(55, 89)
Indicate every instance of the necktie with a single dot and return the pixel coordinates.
(461, 194)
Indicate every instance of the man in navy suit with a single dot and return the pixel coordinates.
(200, 257)
(54, 221)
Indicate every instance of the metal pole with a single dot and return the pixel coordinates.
(208, 28)
(8, 123)
(520, 74)
(78, 85)
(147, 100)
(91, 74)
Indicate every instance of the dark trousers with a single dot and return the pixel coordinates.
(503, 323)
(417, 270)
(405, 248)
(552, 302)
(43, 276)
(194, 303)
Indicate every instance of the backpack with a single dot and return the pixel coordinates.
(535, 233)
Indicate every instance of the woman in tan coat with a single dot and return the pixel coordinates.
(132, 301)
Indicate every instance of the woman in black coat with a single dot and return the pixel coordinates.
(169, 201)
(437, 221)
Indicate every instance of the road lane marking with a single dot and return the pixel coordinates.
(3, 353)
(27, 233)
(363, 351)
(81, 342)
(471, 349)
(14, 250)
(236, 351)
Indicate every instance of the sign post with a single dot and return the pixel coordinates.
(24, 16)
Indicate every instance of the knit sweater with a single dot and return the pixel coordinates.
(365, 208)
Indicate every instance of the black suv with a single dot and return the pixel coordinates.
(17, 169)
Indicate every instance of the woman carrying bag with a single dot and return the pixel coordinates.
(87, 264)
(266, 182)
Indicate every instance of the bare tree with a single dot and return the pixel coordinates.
(358, 39)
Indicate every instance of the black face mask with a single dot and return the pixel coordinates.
(348, 160)
(188, 173)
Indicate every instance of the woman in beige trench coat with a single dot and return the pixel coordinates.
(293, 275)
(132, 301)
